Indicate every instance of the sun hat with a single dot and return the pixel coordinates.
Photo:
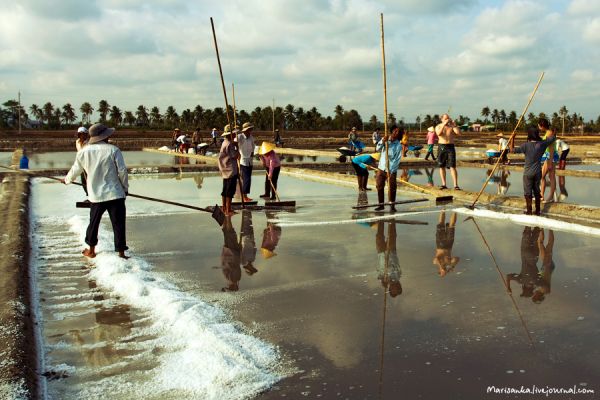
(246, 126)
(266, 253)
(99, 132)
(431, 129)
(500, 135)
(376, 156)
(266, 147)
(82, 129)
(177, 129)
(226, 131)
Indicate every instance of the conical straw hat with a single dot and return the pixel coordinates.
(266, 253)
(265, 148)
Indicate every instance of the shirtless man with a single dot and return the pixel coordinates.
(446, 132)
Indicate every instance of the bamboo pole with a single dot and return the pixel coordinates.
(220, 71)
(385, 111)
(234, 116)
(510, 140)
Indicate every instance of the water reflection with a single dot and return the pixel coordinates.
(271, 236)
(230, 257)
(535, 284)
(444, 240)
(248, 243)
(388, 265)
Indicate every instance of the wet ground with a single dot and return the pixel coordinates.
(65, 159)
(416, 308)
(569, 189)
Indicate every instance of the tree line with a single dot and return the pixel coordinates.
(291, 118)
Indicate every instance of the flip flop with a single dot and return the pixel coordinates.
(443, 187)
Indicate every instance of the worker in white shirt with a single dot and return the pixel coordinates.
(503, 148)
(107, 185)
(563, 148)
(246, 145)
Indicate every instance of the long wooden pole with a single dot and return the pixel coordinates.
(512, 137)
(273, 117)
(221, 72)
(385, 112)
(234, 116)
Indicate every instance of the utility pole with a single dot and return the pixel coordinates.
(19, 112)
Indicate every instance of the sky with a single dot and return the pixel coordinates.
(441, 55)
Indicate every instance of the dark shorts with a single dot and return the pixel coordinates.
(444, 236)
(531, 185)
(446, 156)
(229, 186)
(360, 171)
(564, 154)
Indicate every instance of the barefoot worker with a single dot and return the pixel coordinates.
(395, 153)
(446, 132)
(532, 170)
(228, 166)
(551, 157)
(246, 144)
(107, 186)
(360, 163)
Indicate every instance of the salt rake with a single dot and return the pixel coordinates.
(216, 212)
(278, 203)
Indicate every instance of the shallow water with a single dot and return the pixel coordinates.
(327, 295)
(569, 189)
(65, 159)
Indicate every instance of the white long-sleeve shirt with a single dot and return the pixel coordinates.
(106, 172)
(246, 144)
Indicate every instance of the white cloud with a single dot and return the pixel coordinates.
(591, 32)
(584, 7)
(583, 75)
(501, 45)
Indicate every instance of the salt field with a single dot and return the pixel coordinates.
(324, 302)
(65, 159)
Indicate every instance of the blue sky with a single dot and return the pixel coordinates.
(462, 54)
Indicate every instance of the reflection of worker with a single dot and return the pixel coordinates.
(230, 257)
(271, 236)
(529, 258)
(388, 266)
(545, 276)
(444, 240)
(563, 188)
(248, 243)
(503, 185)
(429, 172)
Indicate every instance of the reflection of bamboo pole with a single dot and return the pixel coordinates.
(385, 290)
(385, 112)
(516, 306)
(510, 140)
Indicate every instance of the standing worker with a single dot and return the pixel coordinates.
(228, 166)
(360, 163)
(431, 139)
(174, 136)
(246, 144)
(395, 153)
(376, 136)
(277, 139)
(549, 164)
(503, 148)
(214, 134)
(404, 143)
(563, 148)
(196, 140)
(107, 184)
(446, 131)
(272, 165)
(532, 170)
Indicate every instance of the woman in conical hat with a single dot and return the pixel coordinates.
(272, 164)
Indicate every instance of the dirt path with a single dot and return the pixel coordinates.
(18, 352)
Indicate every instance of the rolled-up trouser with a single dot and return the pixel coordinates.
(117, 213)
(246, 172)
(531, 185)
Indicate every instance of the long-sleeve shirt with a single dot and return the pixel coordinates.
(533, 152)
(246, 144)
(228, 159)
(106, 172)
(270, 162)
(363, 159)
(395, 150)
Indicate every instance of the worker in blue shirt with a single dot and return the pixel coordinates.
(360, 164)
(395, 153)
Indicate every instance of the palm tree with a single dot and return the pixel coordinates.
(142, 115)
(86, 112)
(129, 118)
(171, 116)
(531, 118)
(155, 116)
(36, 111)
(198, 114)
(103, 109)
(116, 116)
(338, 120)
(68, 114)
(391, 119)
(563, 113)
(485, 113)
(56, 114)
(48, 112)
(495, 116)
(187, 118)
(503, 116)
(512, 119)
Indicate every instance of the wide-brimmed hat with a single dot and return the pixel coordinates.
(82, 129)
(99, 132)
(266, 147)
(266, 253)
(431, 129)
(246, 126)
(226, 131)
(177, 129)
(500, 135)
(376, 156)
